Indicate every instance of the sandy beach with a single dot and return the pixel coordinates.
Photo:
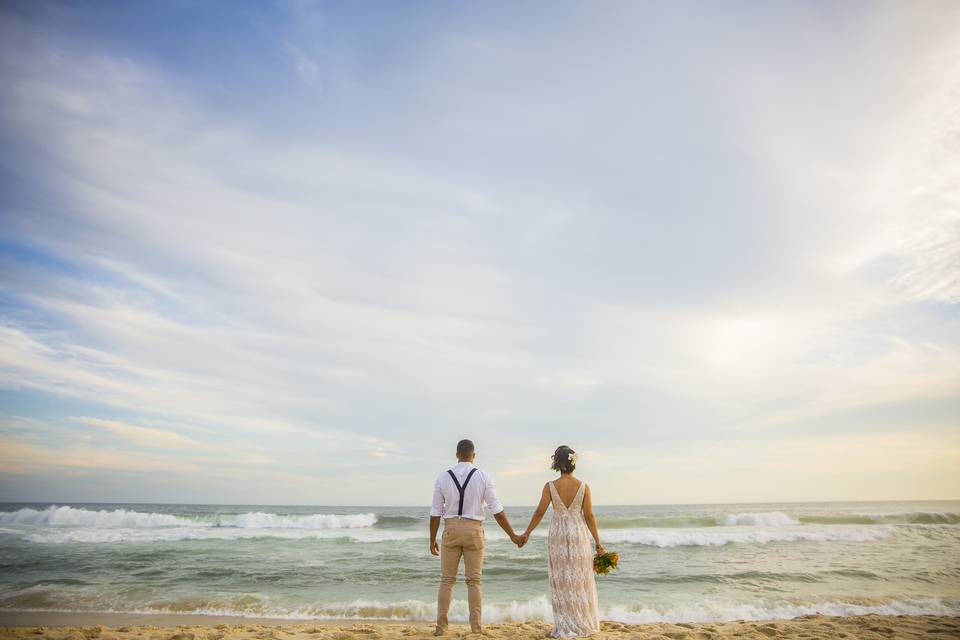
(79, 626)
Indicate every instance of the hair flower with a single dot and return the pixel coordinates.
(572, 458)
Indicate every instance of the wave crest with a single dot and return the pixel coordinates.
(765, 519)
(65, 516)
(914, 517)
(712, 538)
(72, 516)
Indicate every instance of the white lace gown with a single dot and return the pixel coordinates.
(573, 586)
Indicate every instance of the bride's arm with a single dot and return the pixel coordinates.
(539, 513)
(590, 518)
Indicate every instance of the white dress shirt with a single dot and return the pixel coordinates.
(479, 493)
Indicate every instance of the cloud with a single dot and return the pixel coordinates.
(307, 70)
(24, 458)
(897, 466)
(523, 233)
(143, 436)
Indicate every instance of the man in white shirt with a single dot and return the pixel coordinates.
(459, 496)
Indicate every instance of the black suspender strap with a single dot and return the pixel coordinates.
(463, 488)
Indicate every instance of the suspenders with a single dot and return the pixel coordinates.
(461, 489)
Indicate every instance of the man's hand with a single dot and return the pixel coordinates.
(515, 539)
(523, 539)
(434, 528)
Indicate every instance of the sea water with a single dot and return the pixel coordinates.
(677, 563)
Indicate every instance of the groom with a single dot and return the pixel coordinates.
(459, 496)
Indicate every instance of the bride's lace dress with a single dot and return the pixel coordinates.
(573, 587)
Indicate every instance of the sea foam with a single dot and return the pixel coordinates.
(175, 534)
(260, 520)
(538, 608)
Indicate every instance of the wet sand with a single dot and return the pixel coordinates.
(105, 626)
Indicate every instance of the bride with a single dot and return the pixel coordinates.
(573, 588)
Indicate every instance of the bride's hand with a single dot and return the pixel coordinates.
(599, 548)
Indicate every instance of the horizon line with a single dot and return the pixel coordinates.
(426, 506)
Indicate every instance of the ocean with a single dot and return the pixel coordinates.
(684, 563)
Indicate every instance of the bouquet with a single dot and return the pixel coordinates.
(604, 563)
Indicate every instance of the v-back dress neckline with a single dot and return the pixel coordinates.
(556, 492)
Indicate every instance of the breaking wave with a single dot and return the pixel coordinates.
(777, 519)
(70, 516)
(766, 519)
(65, 516)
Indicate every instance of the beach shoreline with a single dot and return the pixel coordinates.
(42, 625)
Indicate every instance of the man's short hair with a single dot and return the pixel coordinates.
(465, 448)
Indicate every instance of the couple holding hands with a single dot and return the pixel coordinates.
(460, 496)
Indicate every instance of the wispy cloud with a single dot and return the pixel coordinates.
(307, 70)
(145, 436)
(22, 458)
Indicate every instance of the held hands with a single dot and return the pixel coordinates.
(520, 540)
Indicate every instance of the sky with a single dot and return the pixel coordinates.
(291, 252)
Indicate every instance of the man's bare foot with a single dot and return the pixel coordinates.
(438, 632)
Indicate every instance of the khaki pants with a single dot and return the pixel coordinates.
(461, 537)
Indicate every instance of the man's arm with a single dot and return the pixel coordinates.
(490, 498)
(436, 511)
(504, 523)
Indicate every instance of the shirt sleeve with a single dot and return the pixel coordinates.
(490, 498)
(436, 509)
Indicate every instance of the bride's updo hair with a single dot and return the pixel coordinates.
(564, 460)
